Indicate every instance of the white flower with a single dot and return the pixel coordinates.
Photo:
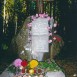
(74, 75)
(55, 25)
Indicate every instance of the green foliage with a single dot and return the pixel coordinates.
(10, 5)
(49, 66)
(4, 47)
(12, 69)
(20, 6)
(69, 1)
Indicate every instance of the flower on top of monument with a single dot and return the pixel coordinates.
(24, 63)
(49, 28)
(33, 63)
(44, 15)
(55, 25)
(48, 18)
(29, 24)
(41, 15)
(33, 17)
(50, 34)
(50, 41)
(17, 62)
(37, 15)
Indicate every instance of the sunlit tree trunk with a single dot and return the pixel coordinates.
(7, 17)
(16, 24)
(4, 16)
(6, 22)
(15, 17)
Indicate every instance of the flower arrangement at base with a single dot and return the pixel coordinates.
(33, 68)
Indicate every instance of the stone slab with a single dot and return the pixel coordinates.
(6, 74)
(48, 74)
(55, 74)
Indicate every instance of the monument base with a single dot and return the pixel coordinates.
(48, 74)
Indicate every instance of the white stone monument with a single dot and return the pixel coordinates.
(40, 36)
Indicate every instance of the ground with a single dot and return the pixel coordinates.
(69, 66)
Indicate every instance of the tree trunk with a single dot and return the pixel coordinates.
(40, 6)
(16, 24)
(4, 16)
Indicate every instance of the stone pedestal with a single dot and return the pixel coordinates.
(48, 74)
(7, 74)
(55, 74)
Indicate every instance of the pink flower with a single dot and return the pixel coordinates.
(50, 41)
(46, 15)
(50, 34)
(33, 17)
(51, 18)
(29, 25)
(41, 15)
(17, 62)
(48, 18)
(36, 15)
(48, 28)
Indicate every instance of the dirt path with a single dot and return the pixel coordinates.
(69, 66)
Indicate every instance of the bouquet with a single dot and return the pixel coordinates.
(33, 68)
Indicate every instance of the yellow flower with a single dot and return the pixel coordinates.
(31, 71)
(33, 63)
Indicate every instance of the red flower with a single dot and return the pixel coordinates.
(23, 70)
(39, 70)
(24, 63)
(35, 70)
(58, 38)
